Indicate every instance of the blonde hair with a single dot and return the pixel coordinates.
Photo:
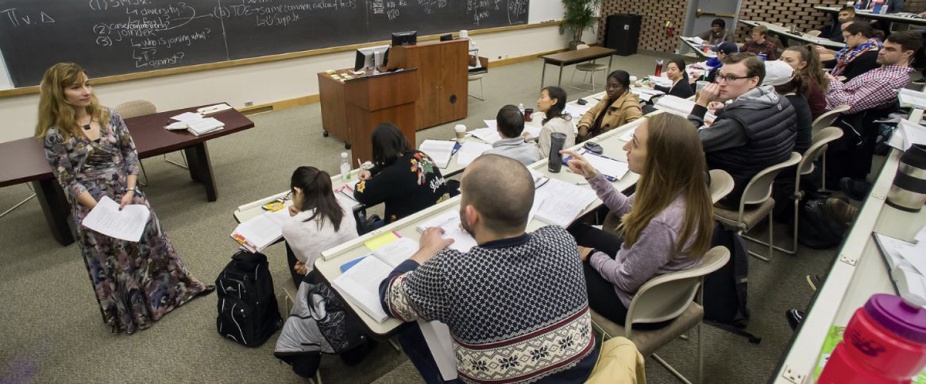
(674, 165)
(55, 111)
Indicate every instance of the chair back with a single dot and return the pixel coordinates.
(666, 297)
(827, 119)
(817, 149)
(759, 188)
(721, 184)
(135, 108)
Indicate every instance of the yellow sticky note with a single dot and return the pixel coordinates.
(379, 241)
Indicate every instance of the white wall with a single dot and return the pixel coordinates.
(258, 83)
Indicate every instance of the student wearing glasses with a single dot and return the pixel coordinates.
(754, 129)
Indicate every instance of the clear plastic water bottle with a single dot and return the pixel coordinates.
(345, 166)
(521, 108)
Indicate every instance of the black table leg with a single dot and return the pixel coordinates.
(56, 209)
(201, 169)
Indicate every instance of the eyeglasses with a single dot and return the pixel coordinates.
(731, 78)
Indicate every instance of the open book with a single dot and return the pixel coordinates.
(360, 283)
(450, 222)
(557, 202)
(439, 150)
(258, 233)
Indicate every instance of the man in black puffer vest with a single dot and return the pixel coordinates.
(755, 128)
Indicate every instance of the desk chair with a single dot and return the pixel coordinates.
(19, 204)
(721, 184)
(589, 67)
(758, 196)
(676, 295)
(806, 167)
(135, 108)
(478, 74)
(826, 120)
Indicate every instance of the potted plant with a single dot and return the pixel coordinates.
(578, 16)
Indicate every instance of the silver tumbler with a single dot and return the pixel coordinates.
(908, 193)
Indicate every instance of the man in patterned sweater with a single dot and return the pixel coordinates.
(515, 304)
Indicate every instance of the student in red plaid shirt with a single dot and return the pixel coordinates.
(872, 93)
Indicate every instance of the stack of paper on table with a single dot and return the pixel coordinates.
(488, 135)
(127, 224)
(646, 94)
(259, 232)
(675, 105)
(907, 134)
(557, 202)
(439, 150)
(660, 80)
(204, 126)
(909, 98)
(470, 151)
(360, 283)
(450, 223)
(576, 110)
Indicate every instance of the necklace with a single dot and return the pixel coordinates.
(86, 127)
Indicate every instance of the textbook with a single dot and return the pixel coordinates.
(439, 150)
(360, 283)
(260, 232)
(450, 222)
(204, 126)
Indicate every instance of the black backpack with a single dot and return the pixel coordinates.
(725, 289)
(248, 312)
(815, 228)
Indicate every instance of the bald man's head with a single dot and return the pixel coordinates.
(501, 190)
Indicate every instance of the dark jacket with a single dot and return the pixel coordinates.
(804, 122)
(681, 88)
(411, 183)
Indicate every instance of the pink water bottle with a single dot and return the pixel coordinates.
(885, 342)
(658, 68)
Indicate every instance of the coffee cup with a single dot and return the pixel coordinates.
(527, 114)
(460, 130)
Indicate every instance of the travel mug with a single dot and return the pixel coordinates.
(885, 342)
(555, 161)
(908, 193)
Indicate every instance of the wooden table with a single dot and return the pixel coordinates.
(787, 34)
(24, 161)
(888, 17)
(563, 59)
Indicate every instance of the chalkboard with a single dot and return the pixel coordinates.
(111, 37)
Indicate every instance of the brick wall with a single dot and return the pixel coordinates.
(787, 12)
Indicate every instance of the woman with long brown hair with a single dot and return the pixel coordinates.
(806, 62)
(93, 157)
(666, 225)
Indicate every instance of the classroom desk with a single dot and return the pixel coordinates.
(786, 34)
(563, 59)
(24, 161)
(697, 48)
(332, 259)
(918, 21)
(859, 272)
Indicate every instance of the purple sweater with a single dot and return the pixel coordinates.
(654, 252)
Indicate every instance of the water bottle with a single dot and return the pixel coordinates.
(521, 108)
(658, 71)
(345, 166)
(884, 342)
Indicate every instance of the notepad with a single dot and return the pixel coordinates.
(382, 240)
(439, 150)
(360, 283)
(450, 223)
(204, 126)
(127, 224)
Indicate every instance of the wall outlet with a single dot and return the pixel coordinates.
(499, 57)
(248, 103)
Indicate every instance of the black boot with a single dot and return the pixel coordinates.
(795, 318)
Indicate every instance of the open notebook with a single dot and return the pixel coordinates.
(450, 222)
(360, 283)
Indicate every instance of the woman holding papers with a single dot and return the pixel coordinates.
(552, 103)
(93, 156)
(318, 221)
(618, 108)
(666, 225)
(405, 179)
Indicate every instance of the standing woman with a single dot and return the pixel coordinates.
(317, 221)
(806, 62)
(405, 179)
(666, 225)
(675, 71)
(552, 103)
(93, 156)
(618, 108)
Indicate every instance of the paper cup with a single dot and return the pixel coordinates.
(460, 130)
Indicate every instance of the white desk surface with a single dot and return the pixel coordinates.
(780, 30)
(694, 47)
(868, 15)
(858, 273)
(332, 259)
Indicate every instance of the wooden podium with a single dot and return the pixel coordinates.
(443, 84)
(352, 108)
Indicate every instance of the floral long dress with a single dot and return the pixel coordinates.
(135, 282)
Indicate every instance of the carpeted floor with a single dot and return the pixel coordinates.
(51, 328)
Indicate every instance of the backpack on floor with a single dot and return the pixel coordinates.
(248, 312)
(725, 289)
(817, 230)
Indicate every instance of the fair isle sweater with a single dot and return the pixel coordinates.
(654, 252)
(516, 308)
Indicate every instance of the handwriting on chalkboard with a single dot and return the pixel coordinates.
(122, 36)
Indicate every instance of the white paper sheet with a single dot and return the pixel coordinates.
(470, 151)
(610, 167)
(360, 285)
(909, 98)
(188, 117)
(646, 94)
(450, 223)
(576, 110)
(559, 203)
(127, 224)
(910, 133)
(437, 335)
(488, 135)
(439, 150)
(533, 130)
(675, 105)
(492, 124)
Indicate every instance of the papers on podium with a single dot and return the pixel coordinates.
(440, 151)
(360, 283)
(127, 224)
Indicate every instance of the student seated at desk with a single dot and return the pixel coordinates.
(760, 45)
(806, 63)
(405, 179)
(552, 103)
(515, 303)
(714, 64)
(834, 32)
(510, 123)
(619, 107)
(666, 224)
(717, 34)
(317, 222)
(675, 71)
(860, 54)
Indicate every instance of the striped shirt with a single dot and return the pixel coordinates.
(873, 89)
